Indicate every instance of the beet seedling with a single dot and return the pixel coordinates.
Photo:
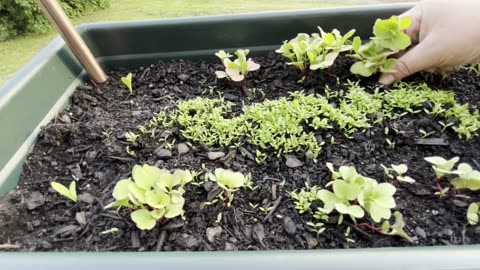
(238, 69)
(228, 181)
(400, 170)
(70, 192)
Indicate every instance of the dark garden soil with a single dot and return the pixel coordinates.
(86, 142)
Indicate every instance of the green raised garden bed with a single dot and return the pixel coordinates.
(44, 87)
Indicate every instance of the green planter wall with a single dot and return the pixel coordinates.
(44, 86)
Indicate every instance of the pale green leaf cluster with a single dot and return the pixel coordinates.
(315, 51)
(442, 166)
(467, 178)
(70, 192)
(128, 82)
(228, 180)
(473, 214)
(389, 39)
(351, 194)
(396, 228)
(237, 69)
(399, 170)
(153, 194)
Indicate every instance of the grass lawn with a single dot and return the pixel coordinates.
(17, 52)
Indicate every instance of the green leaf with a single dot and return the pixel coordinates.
(329, 39)
(128, 81)
(137, 192)
(360, 69)
(121, 190)
(384, 195)
(125, 202)
(147, 176)
(174, 210)
(353, 210)
(357, 42)
(329, 200)
(347, 191)
(472, 214)
(143, 219)
(157, 214)
(64, 191)
(229, 180)
(401, 42)
(157, 198)
(348, 173)
(405, 23)
(378, 212)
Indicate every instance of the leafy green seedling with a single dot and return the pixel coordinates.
(229, 181)
(131, 137)
(70, 193)
(128, 82)
(389, 39)
(473, 213)
(154, 194)
(396, 228)
(400, 170)
(238, 69)
(467, 178)
(377, 199)
(442, 166)
(318, 227)
(389, 33)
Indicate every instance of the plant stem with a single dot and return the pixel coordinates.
(439, 187)
(366, 225)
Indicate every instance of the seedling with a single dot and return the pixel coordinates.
(130, 151)
(315, 51)
(391, 144)
(318, 227)
(260, 157)
(442, 166)
(467, 178)
(426, 134)
(131, 137)
(154, 195)
(238, 69)
(396, 228)
(254, 206)
(265, 210)
(128, 82)
(228, 181)
(70, 193)
(219, 218)
(400, 170)
(473, 214)
(110, 231)
(389, 39)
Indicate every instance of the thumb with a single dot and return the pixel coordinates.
(418, 58)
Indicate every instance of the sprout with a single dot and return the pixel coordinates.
(70, 193)
(473, 214)
(155, 194)
(442, 166)
(128, 82)
(238, 69)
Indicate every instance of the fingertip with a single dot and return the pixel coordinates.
(387, 79)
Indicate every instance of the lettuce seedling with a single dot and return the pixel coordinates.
(154, 194)
(467, 178)
(128, 82)
(228, 181)
(70, 193)
(396, 228)
(389, 39)
(442, 166)
(238, 69)
(473, 213)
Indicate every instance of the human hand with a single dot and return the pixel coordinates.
(445, 35)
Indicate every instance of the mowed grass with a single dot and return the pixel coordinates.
(17, 52)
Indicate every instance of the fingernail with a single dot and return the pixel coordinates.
(387, 79)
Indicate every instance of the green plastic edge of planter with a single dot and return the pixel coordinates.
(43, 87)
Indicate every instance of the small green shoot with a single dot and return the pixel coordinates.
(396, 228)
(128, 82)
(442, 166)
(318, 227)
(238, 69)
(70, 193)
(110, 231)
(228, 181)
(473, 213)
